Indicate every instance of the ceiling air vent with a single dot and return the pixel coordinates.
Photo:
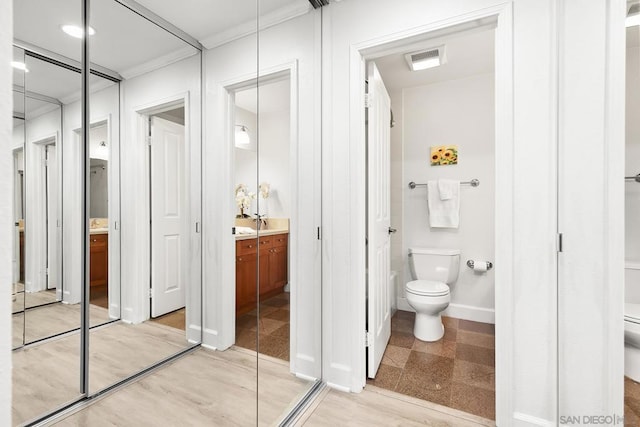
(424, 59)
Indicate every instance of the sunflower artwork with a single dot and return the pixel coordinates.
(444, 155)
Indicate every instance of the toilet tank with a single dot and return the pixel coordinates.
(436, 264)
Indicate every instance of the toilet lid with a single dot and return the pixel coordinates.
(632, 312)
(427, 287)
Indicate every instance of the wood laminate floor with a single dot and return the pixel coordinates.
(175, 319)
(218, 389)
(204, 388)
(48, 320)
(47, 375)
(378, 407)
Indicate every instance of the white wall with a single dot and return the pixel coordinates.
(6, 212)
(274, 128)
(454, 112)
(275, 136)
(246, 163)
(632, 158)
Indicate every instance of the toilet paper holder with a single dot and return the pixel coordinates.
(470, 264)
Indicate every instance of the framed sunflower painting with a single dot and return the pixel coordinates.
(444, 155)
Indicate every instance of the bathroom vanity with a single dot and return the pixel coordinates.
(274, 267)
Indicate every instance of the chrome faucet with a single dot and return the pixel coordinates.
(261, 222)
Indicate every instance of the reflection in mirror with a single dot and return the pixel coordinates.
(46, 313)
(632, 212)
(288, 212)
(46, 371)
(144, 197)
(17, 146)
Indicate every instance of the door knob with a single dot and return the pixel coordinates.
(392, 230)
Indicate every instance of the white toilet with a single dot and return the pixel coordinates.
(433, 270)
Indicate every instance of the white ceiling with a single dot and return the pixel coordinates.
(274, 97)
(127, 43)
(467, 54)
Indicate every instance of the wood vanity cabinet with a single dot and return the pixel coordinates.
(274, 269)
(99, 259)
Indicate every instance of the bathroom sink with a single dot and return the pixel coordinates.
(245, 230)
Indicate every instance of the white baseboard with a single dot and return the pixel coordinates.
(339, 387)
(459, 311)
(530, 420)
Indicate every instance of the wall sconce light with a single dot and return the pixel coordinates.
(242, 137)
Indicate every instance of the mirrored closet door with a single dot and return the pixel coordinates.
(47, 89)
(286, 210)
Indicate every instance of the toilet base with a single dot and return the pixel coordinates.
(428, 327)
(632, 362)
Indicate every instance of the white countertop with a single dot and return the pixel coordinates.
(268, 232)
(99, 231)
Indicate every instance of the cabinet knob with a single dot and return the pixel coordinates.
(239, 259)
(94, 240)
(249, 246)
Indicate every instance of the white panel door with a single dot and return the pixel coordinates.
(379, 262)
(168, 238)
(52, 217)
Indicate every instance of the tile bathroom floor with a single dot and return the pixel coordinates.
(274, 327)
(458, 371)
(631, 402)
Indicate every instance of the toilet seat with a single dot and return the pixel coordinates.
(427, 288)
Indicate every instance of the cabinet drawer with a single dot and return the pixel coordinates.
(266, 242)
(280, 240)
(249, 246)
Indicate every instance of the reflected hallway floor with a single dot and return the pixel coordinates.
(274, 327)
(458, 371)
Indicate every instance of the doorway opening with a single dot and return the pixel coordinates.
(264, 197)
(168, 212)
(430, 148)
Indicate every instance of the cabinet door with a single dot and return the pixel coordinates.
(98, 263)
(246, 283)
(265, 268)
(279, 267)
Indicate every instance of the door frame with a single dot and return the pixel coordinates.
(501, 16)
(37, 267)
(140, 305)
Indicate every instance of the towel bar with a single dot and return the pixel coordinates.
(473, 183)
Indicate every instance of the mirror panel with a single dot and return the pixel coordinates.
(46, 314)
(144, 196)
(46, 371)
(288, 211)
(17, 147)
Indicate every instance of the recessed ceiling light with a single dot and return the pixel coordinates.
(426, 58)
(633, 16)
(19, 66)
(75, 31)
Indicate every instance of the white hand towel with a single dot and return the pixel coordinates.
(443, 213)
(447, 188)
